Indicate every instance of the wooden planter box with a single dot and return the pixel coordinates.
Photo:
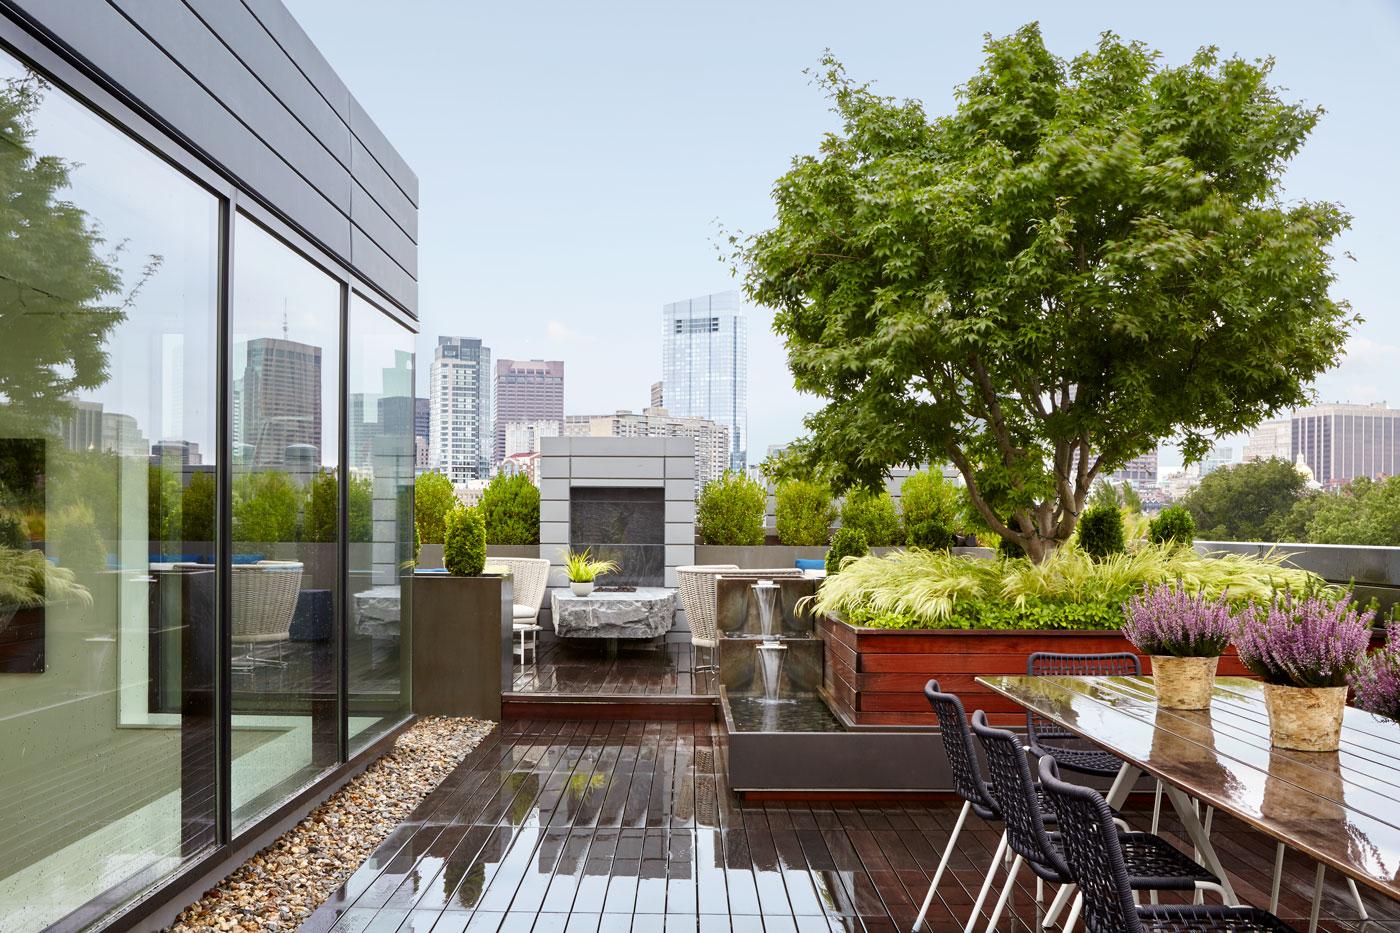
(876, 677)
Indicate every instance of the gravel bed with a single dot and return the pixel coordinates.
(280, 886)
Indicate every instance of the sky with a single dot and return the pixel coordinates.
(577, 161)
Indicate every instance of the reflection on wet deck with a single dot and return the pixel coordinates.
(624, 667)
(590, 825)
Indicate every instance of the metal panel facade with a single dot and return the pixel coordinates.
(240, 83)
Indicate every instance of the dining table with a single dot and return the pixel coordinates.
(1341, 809)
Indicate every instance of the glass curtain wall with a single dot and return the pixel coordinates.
(380, 427)
(285, 379)
(112, 656)
(109, 283)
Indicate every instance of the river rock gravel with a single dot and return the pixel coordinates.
(281, 885)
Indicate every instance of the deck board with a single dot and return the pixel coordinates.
(602, 825)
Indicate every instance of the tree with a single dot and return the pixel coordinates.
(197, 509)
(1086, 257)
(1245, 502)
(1365, 511)
(322, 519)
(510, 506)
(433, 497)
(60, 282)
(164, 505)
(266, 507)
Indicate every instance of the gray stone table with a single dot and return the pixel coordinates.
(645, 613)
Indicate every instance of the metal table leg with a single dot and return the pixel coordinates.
(1186, 812)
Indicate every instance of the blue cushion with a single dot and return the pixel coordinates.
(247, 558)
(810, 563)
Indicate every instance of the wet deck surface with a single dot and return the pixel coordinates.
(588, 825)
(629, 667)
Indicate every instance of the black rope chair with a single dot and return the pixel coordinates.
(968, 783)
(1100, 863)
(1152, 864)
(1048, 738)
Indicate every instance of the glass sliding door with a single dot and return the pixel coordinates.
(109, 280)
(284, 389)
(380, 494)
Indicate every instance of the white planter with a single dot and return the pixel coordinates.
(1183, 683)
(581, 589)
(1308, 719)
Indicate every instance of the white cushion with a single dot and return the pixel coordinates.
(522, 612)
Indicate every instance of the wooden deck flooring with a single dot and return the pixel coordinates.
(595, 825)
(590, 667)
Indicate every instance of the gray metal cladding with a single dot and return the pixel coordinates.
(243, 84)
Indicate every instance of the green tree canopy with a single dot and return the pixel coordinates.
(60, 286)
(1084, 258)
(266, 507)
(197, 511)
(433, 497)
(1365, 511)
(1245, 502)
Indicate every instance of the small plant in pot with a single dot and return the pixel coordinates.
(1185, 634)
(583, 570)
(1305, 648)
(464, 542)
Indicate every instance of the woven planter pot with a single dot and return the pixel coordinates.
(1183, 683)
(1307, 719)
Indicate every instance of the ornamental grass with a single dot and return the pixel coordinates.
(1069, 589)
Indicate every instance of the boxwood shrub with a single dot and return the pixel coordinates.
(804, 513)
(873, 515)
(464, 542)
(730, 511)
(847, 542)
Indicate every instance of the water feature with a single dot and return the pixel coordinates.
(771, 652)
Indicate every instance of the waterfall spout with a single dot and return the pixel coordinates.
(766, 592)
(771, 655)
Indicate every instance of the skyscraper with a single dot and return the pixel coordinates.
(526, 391)
(705, 365)
(460, 438)
(1341, 442)
(280, 401)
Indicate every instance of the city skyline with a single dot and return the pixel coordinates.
(639, 203)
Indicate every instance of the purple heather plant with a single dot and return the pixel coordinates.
(1168, 620)
(1376, 681)
(1306, 641)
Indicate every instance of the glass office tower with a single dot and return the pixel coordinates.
(705, 365)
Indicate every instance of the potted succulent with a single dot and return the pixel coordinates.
(582, 570)
(1376, 681)
(1305, 648)
(1185, 634)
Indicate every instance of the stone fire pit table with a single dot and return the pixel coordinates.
(647, 612)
